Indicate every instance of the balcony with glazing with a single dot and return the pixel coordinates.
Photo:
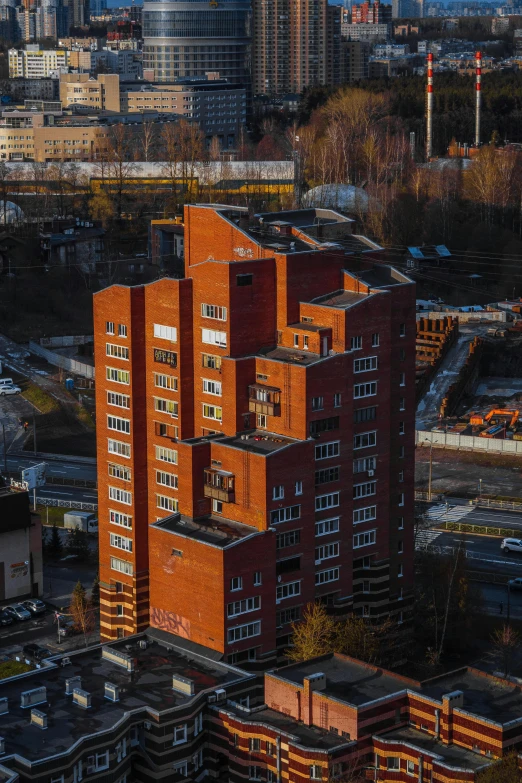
(264, 399)
(219, 485)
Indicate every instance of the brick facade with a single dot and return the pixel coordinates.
(271, 399)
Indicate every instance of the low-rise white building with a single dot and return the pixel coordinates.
(35, 63)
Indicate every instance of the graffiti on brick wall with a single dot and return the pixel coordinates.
(168, 621)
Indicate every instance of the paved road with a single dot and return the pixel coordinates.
(474, 515)
(75, 494)
(61, 468)
(495, 601)
(483, 552)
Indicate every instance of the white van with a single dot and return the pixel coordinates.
(6, 382)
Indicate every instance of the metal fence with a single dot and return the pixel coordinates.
(479, 530)
(67, 504)
(66, 340)
(71, 365)
(452, 440)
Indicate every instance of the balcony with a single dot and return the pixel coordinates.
(264, 399)
(219, 485)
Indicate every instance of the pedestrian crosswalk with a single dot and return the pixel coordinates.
(444, 513)
(425, 538)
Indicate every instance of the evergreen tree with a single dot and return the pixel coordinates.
(95, 594)
(78, 544)
(55, 548)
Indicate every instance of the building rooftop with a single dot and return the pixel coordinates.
(341, 299)
(258, 441)
(451, 755)
(382, 276)
(281, 354)
(214, 530)
(357, 683)
(148, 688)
(307, 736)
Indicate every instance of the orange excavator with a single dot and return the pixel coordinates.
(503, 412)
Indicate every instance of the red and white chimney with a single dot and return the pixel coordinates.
(478, 96)
(429, 109)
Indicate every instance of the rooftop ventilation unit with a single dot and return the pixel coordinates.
(112, 692)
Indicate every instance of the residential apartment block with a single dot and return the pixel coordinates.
(35, 63)
(255, 425)
(157, 708)
(371, 13)
(82, 91)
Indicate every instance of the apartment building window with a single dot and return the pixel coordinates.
(109, 327)
(285, 514)
(118, 424)
(210, 361)
(166, 503)
(402, 330)
(401, 452)
(402, 403)
(254, 773)
(242, 280)
(327, 501)
(217, 506)
(121, 542)
(365, 390)
(327, 450)
(213, 311)
(119, 471)
(118, 376)
(393, 762)
(161, 356)
(258, 578)
(364, 490)
(180, 734)
(402, 354)
(290, 538)
(98, 762)
(117, 518)
(212, 387)
(401, 428)
(286, 616)
(270, 749)
(401, 475)
(278, 492)
(324, 425)
(410, 767)
(327, 526)
(402, 379)
(400, 547)
(288, 590)
(244, 632)
(198, 724)
(364, 514)
(212, 412)
(118, 351)
(364, 464)
(400, 571)
(166, 455)
(375, 340)
(122, 330)
(118, 400)
(365, 365)
(326, 475)
(326, 551)
(254, 744)
(122, 566)
(165, 381)
(166, 332)
(364, 414)
(305, 342)
(119, 447)
(337, 400)
(120, 495)
(166, 479)
(57, 779)
(317, 403)
(243, 607)
(236, 583)
(356, 343)
(330, 575)
(401, 523)
(296, 341)
(365, 439)
(364, 539)
(298, 487)
(211, 337)
(165, 430)
(261, 421)
(166, 406)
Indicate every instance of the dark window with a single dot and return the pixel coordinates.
(365, 414)
(326, 475)
(288, 565)
(166, 357)
(324, 425)
(290, 538)
(291, 615)
(244, 279)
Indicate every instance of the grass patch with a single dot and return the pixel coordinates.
(52, 515)
(43, 401)
(85, 417)
(11, 668)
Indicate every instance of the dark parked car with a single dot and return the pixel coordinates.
(5, 618)
(35, 652)
(18, 612)
(34, 605)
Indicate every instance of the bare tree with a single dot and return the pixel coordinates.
(506, 644)
(82, 611)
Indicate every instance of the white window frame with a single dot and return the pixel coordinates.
(163, 454)
(366, 514)
(356, 343)
(376, 340)
(120, 519)
(326, 551)
(288, 590)
(337, 400)
(182, 730)
(326, 576)
(109, 327)
(285, 514)
(216, 312)
(318, 403)
(246, 631)
(171, 381)
(326, 527)
(366, 364)
(364, 490)
(119, 471)
(212, 387)
(366, 538)
(212, 412)
(278, 492)
(328, 450)
(181, 767)
(363, 440)
(121, 542)
(170, 479)
(170, 407)
(115, 375)
(330, 500)
(117, 351)
(243, 606)
(236, 584)
(213, 337)
(122, 330)
(120, 495)
(364, 464)
(298, 487)
(118, 400)
(368, 389)
(164, 332)
(119, 447)
(122, 566)
(118, 424)
(166, 503)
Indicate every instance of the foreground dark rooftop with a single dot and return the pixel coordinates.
(214, 530)
(149, 687)
(451, 755)
(258, 441)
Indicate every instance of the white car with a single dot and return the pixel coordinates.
(511, 545)
(9, 390)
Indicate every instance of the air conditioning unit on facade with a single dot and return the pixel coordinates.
(371, 472)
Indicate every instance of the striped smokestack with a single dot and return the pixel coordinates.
(478, 97)
(429, 109)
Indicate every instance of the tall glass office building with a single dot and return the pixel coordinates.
(187, 38)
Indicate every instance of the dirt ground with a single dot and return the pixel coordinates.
(458, 472)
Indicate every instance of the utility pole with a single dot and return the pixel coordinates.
(429, 474)
(5, 449)
(508, 602)
(34, 431)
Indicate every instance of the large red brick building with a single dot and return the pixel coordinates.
(255, 427)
